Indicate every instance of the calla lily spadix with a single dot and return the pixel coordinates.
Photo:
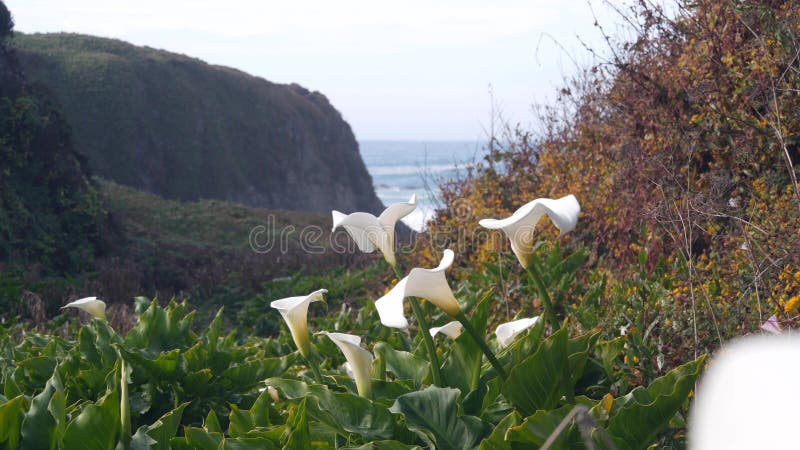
(295, 312)
(450, 329)
(506, 332)
(519, 227)
(93, 306)
(429, 284)
(372, 232)
(359, 359)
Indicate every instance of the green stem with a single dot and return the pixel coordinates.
(533, 272)
(315, 369)
(124, 408)
(482, 344)
(424, 330)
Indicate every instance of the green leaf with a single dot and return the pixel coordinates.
(211, 424)
(342, 411)
(97, 426)
(433, 414)
(297, 428)
(166, 427)
(462, 368)
(12, 413)
(200, 439)
(637, 417)
(497, 440)
(404, 365)
(43, 426)
(253, 372)
(536, 429)
(538, 381)
(386, 445)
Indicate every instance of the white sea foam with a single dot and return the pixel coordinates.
(411, 169)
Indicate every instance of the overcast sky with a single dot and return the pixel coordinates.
(400, 70)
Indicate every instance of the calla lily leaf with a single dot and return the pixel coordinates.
(433, 414)
(520, 226)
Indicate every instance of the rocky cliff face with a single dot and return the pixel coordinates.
(176, 126)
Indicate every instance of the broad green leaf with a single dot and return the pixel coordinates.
(497, 440)
(253, 372)
(536, 429)
(241, 422)
(211, 424)
(38, 369)
(158, 366)
(386, 445)
(162, 329)
(578, 349)
(297, 428)
(344, 412)
(404, 365)
(12, 413)
(97, 427)
(538, 381)
(166, 427)
(433, 414)
(637, 417)
(43, 426)
(200, 439)
(462, 368)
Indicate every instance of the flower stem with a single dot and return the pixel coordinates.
(424, 330)
(533, 272)
(482, 344)
(124, 408)
(312, 362)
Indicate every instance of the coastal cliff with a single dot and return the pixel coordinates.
(176, 126)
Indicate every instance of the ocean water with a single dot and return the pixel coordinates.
(402, 168)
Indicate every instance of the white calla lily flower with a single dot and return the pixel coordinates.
(295, 312)
(93, 306)
(450, 329)
(372, 232)
(429, 284)
(506, 332)
(519, 227)
(358, 358)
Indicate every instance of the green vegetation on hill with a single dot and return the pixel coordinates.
(181, 128)
(50, 215)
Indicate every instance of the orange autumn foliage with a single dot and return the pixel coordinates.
(682, 143)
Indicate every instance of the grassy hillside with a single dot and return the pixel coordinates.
(176, 126)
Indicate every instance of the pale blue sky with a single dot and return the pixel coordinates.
(400, 70)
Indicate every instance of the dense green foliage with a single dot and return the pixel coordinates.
(50, 214)
(176, 126)
(207, 390)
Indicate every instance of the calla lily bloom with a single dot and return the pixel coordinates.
(93, 306)
(451, 329)
(429, 284)
(359, 359)
(295, 312)
(519, 226)
(508, 331)
(372, 232)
